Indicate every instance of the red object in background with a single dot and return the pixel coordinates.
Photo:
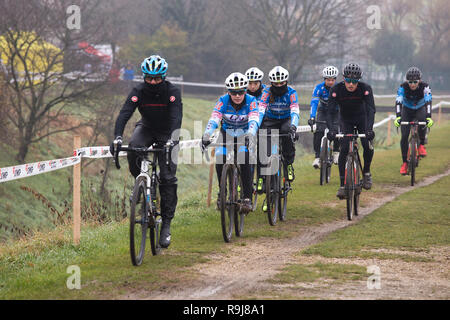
(86, 47)
(114, 74)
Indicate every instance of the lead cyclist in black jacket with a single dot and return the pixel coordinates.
(159, 103)
(356, 108)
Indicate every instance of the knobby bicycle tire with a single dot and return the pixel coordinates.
(155, 225)
(272, 197)
(239, 217)
(254, 191)
(350, 186)
(138, 222)
(284, 191)
(413, 160)
(227, 206)
(323, 162)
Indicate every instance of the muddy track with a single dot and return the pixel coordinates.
(242, 271)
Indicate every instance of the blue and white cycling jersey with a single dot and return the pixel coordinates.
(281, 108)
(234, 122)
(320, 94)
(413, 99)
(258, 98)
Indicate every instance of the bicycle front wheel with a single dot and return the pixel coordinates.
(138, 222)
(285, 187)
(272, 197)
(227, 201)
(323, 162)
(238, 215)
(413, 160)
(350, 186)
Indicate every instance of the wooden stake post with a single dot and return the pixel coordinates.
(388, 140)
(76, 194)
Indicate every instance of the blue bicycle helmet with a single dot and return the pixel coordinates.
(154, 66)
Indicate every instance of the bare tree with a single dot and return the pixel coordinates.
(39, 91)
(296, 32)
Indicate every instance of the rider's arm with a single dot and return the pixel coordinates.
(331, 110)
(216, 117)
(399, 101)
(175, 112)
(370, 106)
(253, 117)
(295, 109)
(314, 102)
(126, 112)
(428, 100)
(263, 104)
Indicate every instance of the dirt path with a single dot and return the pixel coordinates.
(242, 271)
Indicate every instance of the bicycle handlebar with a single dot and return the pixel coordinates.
(143, 151)
(352, 135)
(420, 123)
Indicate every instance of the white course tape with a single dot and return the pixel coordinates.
(31, 169)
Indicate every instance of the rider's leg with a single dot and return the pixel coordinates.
(421, 115)
(407, 115)
(142, 137)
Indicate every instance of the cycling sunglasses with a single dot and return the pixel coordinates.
(157, 78)
(350, 80)
(237, 92)
(413, 81)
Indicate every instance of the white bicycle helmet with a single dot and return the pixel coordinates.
(278, 74)
(254, 74)
(236, 81)
(330, 72)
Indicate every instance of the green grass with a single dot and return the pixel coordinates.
(416, 221)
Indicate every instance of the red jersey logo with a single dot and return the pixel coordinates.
(172, 99)
(134, 98)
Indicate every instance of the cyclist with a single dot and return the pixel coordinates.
(255, 85)
(159, 103)
(356, 108)
(237, 115)
(279, 109)
(413, 102)
(320, 94)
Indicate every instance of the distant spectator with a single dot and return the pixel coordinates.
(128, 74)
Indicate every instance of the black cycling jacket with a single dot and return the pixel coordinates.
(160, 106)
(352, 105)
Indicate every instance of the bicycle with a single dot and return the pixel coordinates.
(231, 193)
(413, 156)
(353, 169)
(326, 157)
(277, 185)
(145, 200)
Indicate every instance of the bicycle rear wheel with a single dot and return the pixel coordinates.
(155, 222)
(285, 188)
(138, 222)
(227, 202)
(272, 197)
(350, 186)
(238, 215)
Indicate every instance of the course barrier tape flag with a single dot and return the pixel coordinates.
(31, 169)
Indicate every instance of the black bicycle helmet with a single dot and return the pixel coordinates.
(413, 73)
(353, 71)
